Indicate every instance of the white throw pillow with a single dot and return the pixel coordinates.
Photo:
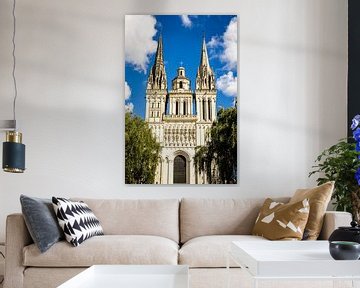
(77, 220)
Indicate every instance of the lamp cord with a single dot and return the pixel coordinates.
(14, 61)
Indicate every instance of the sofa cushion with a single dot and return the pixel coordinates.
(107, 249)
(319, 198)
(41, 221)
(35, 277)
(201, 217)
(279, 221)
(77, 220)
(158, 217)
(211, 251)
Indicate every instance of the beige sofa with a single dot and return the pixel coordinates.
(194, 232)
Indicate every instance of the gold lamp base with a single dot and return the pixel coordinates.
(13, 136)
(13, 170)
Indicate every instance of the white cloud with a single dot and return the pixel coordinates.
(214, 42)
(129, 107)
(227, 84)
(127, 91)
(186, 21)
(229, 56)
(139, 43)
(228, 44)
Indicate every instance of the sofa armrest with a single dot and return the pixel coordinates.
(17, 237)
(333, 220)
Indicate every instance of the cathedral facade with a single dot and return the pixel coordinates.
(180, 117)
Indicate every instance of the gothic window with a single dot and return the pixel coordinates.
(209, 113)
(179, 169)
(203, 103)
(159, 170)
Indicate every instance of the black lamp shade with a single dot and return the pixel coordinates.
(13, 157)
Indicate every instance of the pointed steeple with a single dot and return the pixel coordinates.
(159, 59)
(205, 79)
(157, 76)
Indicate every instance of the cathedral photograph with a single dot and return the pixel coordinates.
(181, 99)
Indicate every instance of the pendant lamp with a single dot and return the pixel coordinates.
(13, 160)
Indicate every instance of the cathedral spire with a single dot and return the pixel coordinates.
(157, 75)
(205, 79)
(204, 60)
(159, 58)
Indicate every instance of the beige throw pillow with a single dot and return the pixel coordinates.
(319, 198)
(279, 221)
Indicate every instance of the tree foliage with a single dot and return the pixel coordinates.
(141, 151)
(218, 158)
(339, 163)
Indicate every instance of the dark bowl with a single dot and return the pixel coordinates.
(344, 250)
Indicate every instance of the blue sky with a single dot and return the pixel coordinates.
(182, 40)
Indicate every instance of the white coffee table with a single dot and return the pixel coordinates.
(131, 276)
(296, 260)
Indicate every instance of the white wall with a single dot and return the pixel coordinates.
(70, 70)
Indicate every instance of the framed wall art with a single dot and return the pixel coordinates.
(181, 99)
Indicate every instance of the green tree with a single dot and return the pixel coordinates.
(218, 158)
(141, 151)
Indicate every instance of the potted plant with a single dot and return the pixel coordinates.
(341, 163)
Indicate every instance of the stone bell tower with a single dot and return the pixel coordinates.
(156, 88)
(205, 96)
(180, 96)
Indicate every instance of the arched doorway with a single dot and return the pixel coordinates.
(179, 169)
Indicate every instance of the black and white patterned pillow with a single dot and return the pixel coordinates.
(77, 220)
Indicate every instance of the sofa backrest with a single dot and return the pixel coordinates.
(159, 217)
(200, 217)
